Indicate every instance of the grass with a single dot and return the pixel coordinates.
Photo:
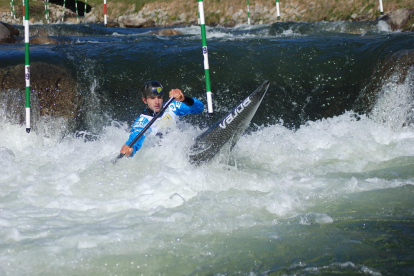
(5, 4)
(36, 7)
(319, 10)
(124, 5)
(138, 3)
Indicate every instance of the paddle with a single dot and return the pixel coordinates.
(146, 128)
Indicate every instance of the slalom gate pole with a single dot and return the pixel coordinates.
(147, 126)
(205, 55)
(84, 10)
(23, 11)
(105, 17)
(381, 8)
(63, 14)
(27, 63)
(47, 10)
(12, 12)
(277, 9)
(77, 13)
(248, 12)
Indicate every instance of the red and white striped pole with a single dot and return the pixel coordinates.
(23, 12)
(105, 19)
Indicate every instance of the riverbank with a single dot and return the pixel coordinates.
(228, 13)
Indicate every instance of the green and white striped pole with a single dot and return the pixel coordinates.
(27, 63)
(63, 13)
(84, 10)
(248, 12)
(12, 12)
(277, 9)
(77, 14)
(381, 8)
(205, 55)
(47, 11)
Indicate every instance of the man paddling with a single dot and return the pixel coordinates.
(152, 92)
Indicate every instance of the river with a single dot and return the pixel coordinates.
(321, 183)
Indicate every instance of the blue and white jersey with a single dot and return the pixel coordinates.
(166, 121)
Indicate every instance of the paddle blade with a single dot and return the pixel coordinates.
(119, 157)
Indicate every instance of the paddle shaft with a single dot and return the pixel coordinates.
(147, 126)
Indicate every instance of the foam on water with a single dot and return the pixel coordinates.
(47, 169)
(65, 192)
(395, 104)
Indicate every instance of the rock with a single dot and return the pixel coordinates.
(178, 23)
(112, 24)
(43, 40)
(178, 12)
(229, 24)
(5, 35)
(149, 24)
(53, 88)
(398, 64)
(166, 32)
(398, 19)
(72, 20)
(91, 19)
(60, 14)
(183, 16)
(135, 23)
(13, 30)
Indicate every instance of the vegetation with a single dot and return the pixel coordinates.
(124, 5)
(36, 7)
(305, 10)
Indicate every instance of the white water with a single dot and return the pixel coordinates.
(65, 209)
(61, 198)
(262, 31)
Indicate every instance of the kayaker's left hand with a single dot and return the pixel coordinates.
(177, 94)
